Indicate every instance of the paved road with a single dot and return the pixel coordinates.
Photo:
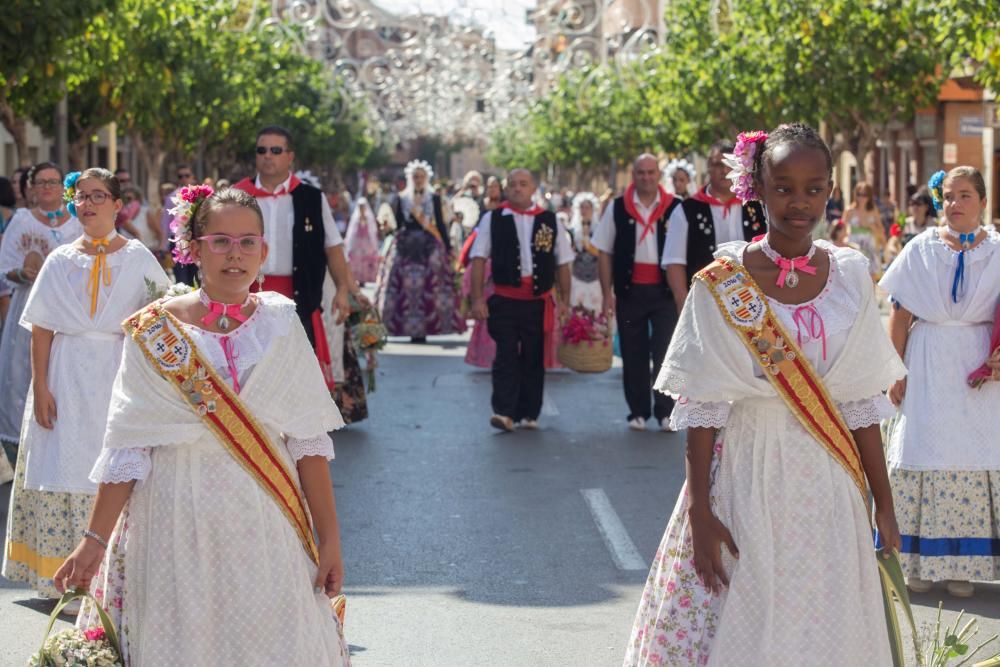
(465, 546)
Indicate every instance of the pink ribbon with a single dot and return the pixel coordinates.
(814, 326)
(798, 264)
(232, 354)
(217, 310)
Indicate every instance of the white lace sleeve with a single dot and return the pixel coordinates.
(115, 466)
(692, 414)
(321, 445)
(867, 411)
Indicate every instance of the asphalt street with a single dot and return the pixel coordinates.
(466, 546)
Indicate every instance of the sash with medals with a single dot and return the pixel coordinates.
(173, 354)
(746, 310)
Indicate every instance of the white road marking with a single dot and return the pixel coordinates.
(549, 407)
(621, 546)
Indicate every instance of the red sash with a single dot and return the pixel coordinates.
(646, 274)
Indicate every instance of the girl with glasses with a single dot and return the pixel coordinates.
(215, 518)
(73, 313)
(31, 235)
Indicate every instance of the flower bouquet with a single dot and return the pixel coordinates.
(984, 373)
(369, 336)
(585, 345)
(93, 647)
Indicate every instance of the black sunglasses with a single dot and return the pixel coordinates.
(275, 150)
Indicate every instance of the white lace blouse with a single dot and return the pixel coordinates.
(820, 327)
(249, 342)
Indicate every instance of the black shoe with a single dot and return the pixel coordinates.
(418, 339)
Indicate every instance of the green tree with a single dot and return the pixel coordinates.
(33, 35)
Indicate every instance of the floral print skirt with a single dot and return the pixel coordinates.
(677, 616)
(43, 528)
(416, 293)
(950, 523)
(349, 394)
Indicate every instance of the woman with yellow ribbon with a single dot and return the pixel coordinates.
(79, 298)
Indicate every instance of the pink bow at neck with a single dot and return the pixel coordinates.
(789, 265)
(217, 310)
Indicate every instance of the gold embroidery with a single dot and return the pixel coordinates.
(544, 239)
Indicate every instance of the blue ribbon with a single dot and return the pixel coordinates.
(959, 282)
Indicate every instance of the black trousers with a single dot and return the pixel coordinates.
(646, 318)
(519, 366)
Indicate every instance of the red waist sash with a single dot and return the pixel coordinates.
(283, 285)
(525, 292)
(646, 274)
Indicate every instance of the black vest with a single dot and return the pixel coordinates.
(411, 223)
(309, 263)
(505, 251)
(701, 231)
(623, 258)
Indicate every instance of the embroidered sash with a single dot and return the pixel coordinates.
(745, 308)
(172, 353)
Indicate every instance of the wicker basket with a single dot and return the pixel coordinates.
(586, 358)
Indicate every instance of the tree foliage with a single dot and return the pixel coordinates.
(855, 66)
(196, 79)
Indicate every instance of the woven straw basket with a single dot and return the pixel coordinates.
(586, 358)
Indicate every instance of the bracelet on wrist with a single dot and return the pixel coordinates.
(97, 538)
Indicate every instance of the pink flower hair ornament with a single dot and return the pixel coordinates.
(187, 201)
(741, 163)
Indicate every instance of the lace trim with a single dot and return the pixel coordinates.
(867, 411)
(250, 340)
(692, 414)
(321, 445)
(115, 466)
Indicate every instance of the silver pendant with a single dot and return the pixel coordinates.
(792, 279)
(224, 323)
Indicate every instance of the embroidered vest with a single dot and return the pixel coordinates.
(506, 251)
(623, 259)
(701, 232)
(309, 264)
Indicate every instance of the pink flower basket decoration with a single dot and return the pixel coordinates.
(585, 344)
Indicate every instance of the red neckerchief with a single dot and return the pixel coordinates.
(703, 196)
(250, 187)
(534, 210)
(647, 225)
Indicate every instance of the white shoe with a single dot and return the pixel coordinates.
(961, 589)
(529, 424)
(502, 423)
(665, 425)
(637, 424)
(919, 585)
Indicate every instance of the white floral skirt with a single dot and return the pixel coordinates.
(950, 523)
(43, 528)
(805, 591)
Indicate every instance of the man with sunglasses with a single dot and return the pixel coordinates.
(302, 236)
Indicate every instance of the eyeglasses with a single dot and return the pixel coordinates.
(275, 150)
(47, 183)
(96, 198)
(221, 244)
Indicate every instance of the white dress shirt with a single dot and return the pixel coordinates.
(482, 246)
(646, 252)
(279, 218)
(727, 228)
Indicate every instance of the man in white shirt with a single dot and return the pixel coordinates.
(631, 236)
(529, 255)
(302, 237)
(710, 218)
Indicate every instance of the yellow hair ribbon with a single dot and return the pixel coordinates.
(100, 267)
